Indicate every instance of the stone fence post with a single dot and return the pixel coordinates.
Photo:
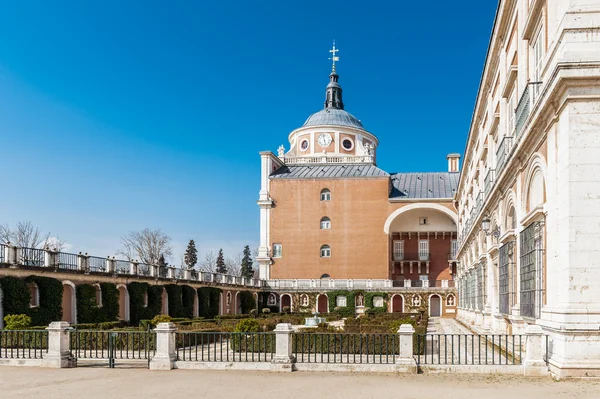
(535, 349)
(49, 258)
(187, 274)
(110, 265)
(406, 363)
(82, 262)
(11, 255)
(164, 358)
(133, 268)
(170, 272)
(59, 338)
(283, 359)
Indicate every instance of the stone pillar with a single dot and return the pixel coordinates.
(59, 355)
(165, 356)
(283, 359)
(153, 270)
(405, 362)
(534, 364)
(11, 254)
(82, 262)
(187, 274)
(110, 265)
(407, 283)
(170, 272)
(133, 268)
(48, 258)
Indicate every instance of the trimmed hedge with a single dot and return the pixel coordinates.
(137, 310)
(175, 303)
(247, 301)
(209, 301)
(88, 310)
(187, 298)
(346, 311)
(15, 296)
(51, 293)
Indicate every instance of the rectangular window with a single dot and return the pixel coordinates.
(531, 262)
(537, 55)
(512, 108)
(505, 278)
(340, 301)
(277, 250)
(398, 250)
(424, 250)
(453, 249)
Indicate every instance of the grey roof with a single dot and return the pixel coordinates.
(333, 116)
(327, 171)
(423, 185)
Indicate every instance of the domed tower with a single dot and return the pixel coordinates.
(331, 135)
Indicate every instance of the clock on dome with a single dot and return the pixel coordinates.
(324, 140)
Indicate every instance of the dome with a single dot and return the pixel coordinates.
(333, 116)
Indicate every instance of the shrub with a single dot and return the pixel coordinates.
(174, 293)
(137, 309)
(286, 309)
(253, 312)
(161, 318)
(16, 297)
(247, 325)
(247, 301)
(17, 322)
(51, 293)
(187, 298)
(266, 311)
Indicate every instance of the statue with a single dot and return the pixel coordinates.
(359, 300)
(416, 300)
(450, 300)
(280, 151)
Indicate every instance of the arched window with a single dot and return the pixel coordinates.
(511, 220)
(272, 300)
(325, 223)
(325, 276)
(98, 295)
(325, 195)
(34, 293)
(304, 300)
(325, 251)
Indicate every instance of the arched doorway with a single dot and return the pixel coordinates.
(435, 306)
(123, 302)
(238, 303)
(286, 300)
(165, 302)
(397, 304)
(69, 304)
(322, 304)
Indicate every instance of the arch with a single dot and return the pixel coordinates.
(322, 303)
(34, 294)
(98, 295)
(238, 304)
(272, 299)
(165, 302)
(404, 209)
(123, 302)
(397, 304)
(325, 223)
(536, 170)
(435, 305)
(196, 306)
(69, 302)
(325, 195)
(285, 300)
(255, 295)
(509, 203)
(325, 275)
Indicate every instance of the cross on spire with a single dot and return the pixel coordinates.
(334, 58)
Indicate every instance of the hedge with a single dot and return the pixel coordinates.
(349, 309)
(247, 301)
(137, 310)
(15, 296)
(175, 303)
(50, 292)
(88, 310)
(208, 301)
(187, 298)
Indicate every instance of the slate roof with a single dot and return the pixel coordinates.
(333, 116)
(423, 185)
(327, 171)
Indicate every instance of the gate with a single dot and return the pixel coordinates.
(92, 347)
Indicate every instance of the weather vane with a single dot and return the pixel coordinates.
(334, 57)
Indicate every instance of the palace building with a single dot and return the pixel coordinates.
(330, 219)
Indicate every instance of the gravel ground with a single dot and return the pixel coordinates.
(101, 382)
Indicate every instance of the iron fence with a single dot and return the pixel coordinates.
(96, 264)
(3, 253)
(32, 257)
(469, 349)
(143, 269)
(112, 345)
(23, 344)
(65, 260)
(225, 346)
(345, 348)
(122, 266)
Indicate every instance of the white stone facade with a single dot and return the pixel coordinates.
(529, 195)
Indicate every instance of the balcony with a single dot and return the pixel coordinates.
(503, 151)
(422, 256)
(398, 256)
(452, 254)
(478, 204)
(524, 108)
(489, 181)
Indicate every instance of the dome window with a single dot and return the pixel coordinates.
(348, 144)
(304, 144)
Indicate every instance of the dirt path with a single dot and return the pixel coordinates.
(97, 383)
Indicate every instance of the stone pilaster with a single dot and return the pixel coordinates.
(165, 356)
(59, 354)
(283, 359)
(406, 363)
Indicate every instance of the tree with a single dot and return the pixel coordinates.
(246, 264)
(209, 262)
(233, 264)
(161, 261)
(26, 235)
(221, 268)
(191, 255)
(147, 246)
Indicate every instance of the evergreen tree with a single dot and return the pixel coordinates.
(191, 255)
(161, 261)
(221, 268)
(247, 270)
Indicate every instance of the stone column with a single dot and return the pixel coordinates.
(82, 262)
(534, 364)
(165, 356)
(405, 362)
(407, 283)
(153, 270)
(110, 265)
(11, 254)
(48, 258)
(187, 274)
(170, 272)
(283, 359)
(133, 268)
(59, 355)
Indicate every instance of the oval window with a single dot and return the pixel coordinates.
(304, 145)
(347, 144)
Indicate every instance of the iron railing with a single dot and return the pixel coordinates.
(122, 266)
(111, 345)
(225, 346)
(489, 181)
(506, 294)
(522, 111)
(66, 261)
(531, 267)
(479, 350)
(96, 264)
(345, 348)
(32, 257)
(2, 253)
(23, 344)
(503, 152)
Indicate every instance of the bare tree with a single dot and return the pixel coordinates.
(234, 264)
(146, 245)
(55, 244)
(25, 234)
(208, 263)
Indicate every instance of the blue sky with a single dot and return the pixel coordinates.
(121, 115)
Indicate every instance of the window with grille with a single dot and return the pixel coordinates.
(506, 292)
(277, 250)
(537, 55)
(398, 250)
(325, 251)
(531, 262)
(453, 249)
(424, 250)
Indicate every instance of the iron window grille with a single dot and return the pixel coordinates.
(506, 292)
(531, 262)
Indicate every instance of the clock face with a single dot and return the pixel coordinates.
(324, 140)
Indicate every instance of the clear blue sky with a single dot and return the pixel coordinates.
(120, 115)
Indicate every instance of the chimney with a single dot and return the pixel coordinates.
(453, 163)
